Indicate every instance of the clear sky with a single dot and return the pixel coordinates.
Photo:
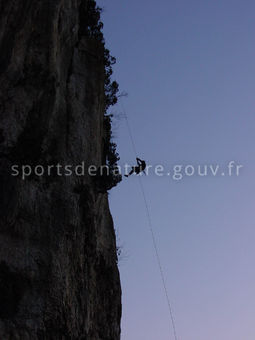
(189, 69)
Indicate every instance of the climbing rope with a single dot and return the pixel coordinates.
(129, 128)
(155, 246)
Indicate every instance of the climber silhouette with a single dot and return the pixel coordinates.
(141, 165)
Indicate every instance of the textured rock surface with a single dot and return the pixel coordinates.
(58, 273)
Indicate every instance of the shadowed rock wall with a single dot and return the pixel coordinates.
(58, 273)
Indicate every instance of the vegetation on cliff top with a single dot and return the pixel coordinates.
(93, 29)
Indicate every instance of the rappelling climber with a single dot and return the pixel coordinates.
(141, 165)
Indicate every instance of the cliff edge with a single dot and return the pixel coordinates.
(58, 267)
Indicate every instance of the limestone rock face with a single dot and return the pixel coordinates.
(58, 268)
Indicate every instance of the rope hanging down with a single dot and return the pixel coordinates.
(129, 129)
(152, 234)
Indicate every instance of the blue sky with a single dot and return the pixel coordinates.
(188, 68)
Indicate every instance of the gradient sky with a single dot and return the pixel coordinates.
(188, 67)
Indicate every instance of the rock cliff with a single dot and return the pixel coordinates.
(58, 267)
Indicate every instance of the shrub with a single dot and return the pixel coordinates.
(90, 13)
